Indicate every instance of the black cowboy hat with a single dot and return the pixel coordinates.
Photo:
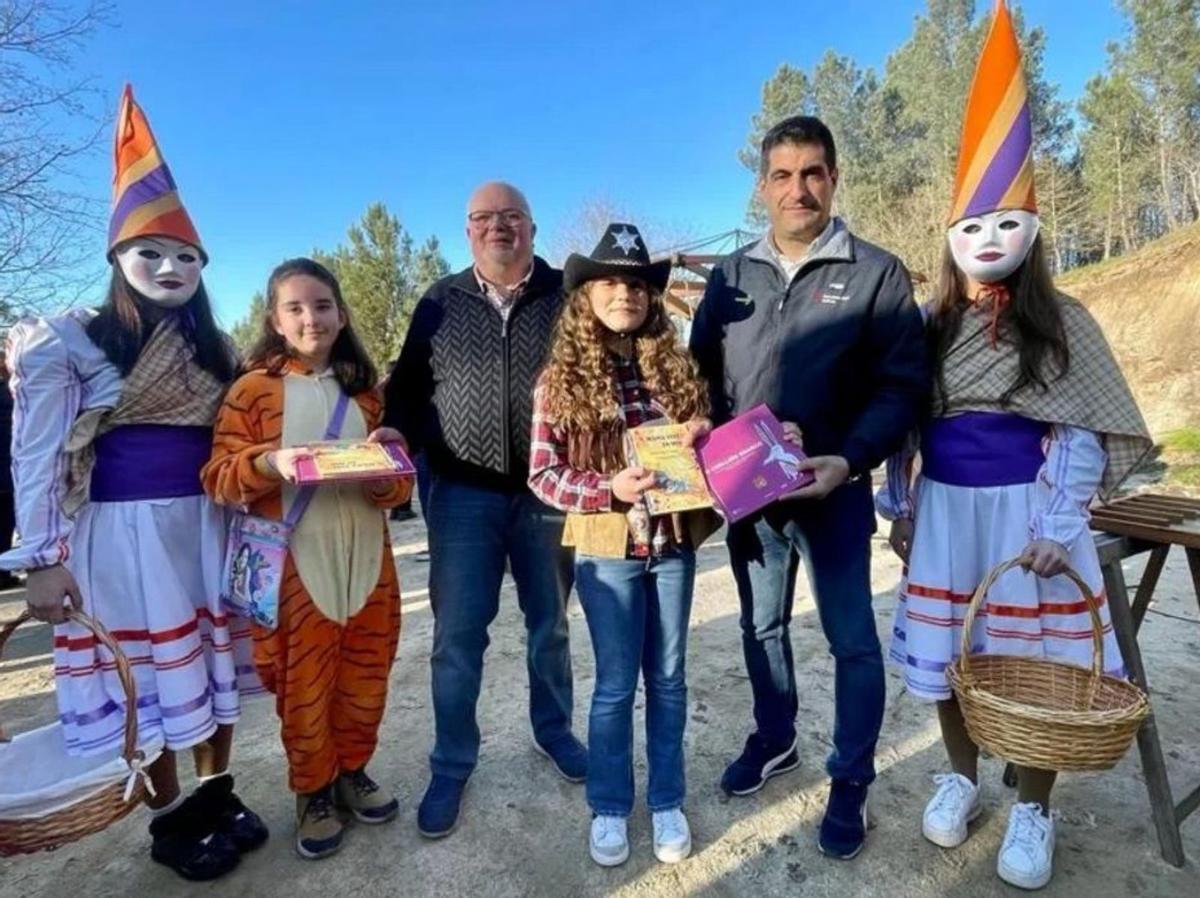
(621, 252)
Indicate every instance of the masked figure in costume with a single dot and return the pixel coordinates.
(1030, 420)
(114, 415)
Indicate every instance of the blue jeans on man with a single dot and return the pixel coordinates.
(637, 612)
(472, 532)
(832, 537)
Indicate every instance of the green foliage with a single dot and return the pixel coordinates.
(1131, 171)
(382, 275)
(1185, 440)
(1182, 455)
(246, 331)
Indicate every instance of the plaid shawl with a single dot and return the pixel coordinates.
(1093, 395)
(166, 386)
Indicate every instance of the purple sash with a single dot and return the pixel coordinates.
(150, 461)
(983, 449)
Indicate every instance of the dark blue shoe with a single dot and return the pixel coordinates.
(758, 763)
(568, 756)
(844, 829)
(244, 827)
(438, 813)
(185, 840)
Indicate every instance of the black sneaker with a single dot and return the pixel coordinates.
(244, 827)
(185, 840)
(844, 827)
(758, 763)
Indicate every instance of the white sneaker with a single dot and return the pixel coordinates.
(672, 838)
(1027, 856)
(609, 842)
(953, 806)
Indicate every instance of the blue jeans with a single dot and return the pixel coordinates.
(472, 530)
(832, 536)
(637, 612)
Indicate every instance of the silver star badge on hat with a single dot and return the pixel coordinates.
(625, 240)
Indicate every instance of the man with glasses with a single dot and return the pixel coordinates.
(462, 392)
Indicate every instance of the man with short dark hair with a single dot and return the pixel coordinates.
(821, 327)
(462, 393)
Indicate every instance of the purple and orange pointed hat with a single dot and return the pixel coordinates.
(995, 157)
(145, 200)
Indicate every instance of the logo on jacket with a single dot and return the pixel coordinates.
(833, 294)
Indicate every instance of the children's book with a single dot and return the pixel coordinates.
(749, 464)
(680, 482)
(348, 460)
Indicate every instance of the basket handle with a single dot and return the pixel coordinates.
(124, 673)
(980, 596)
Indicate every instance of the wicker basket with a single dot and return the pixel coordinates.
(1045, 714)
(110, 802)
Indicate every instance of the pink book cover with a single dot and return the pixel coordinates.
(749, 464)
(348, 460)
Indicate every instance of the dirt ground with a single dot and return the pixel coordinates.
(524, 830)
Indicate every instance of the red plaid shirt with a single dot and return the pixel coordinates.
(558, 484)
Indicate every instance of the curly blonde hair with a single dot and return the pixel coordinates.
(578, 379)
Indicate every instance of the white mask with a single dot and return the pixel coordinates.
(164, 270)
(991, 247)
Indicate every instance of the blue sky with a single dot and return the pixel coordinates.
(282, 121)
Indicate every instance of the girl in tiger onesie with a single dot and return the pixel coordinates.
(327, 661)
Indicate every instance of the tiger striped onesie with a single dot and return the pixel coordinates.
(328, 660)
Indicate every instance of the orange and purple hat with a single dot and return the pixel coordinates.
(145, 200)
(995, 157)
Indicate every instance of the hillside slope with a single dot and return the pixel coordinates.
(1148, 303)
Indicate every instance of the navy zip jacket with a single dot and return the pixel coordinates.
(462, 390)
(839, 350)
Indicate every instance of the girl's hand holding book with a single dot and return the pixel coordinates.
(283, 462)
(630, 483)
(696, 428)
(388, 435)
(379, 490)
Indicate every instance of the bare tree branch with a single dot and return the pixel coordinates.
(50, 117)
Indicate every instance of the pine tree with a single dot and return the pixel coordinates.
(382, 276)
(248, 329)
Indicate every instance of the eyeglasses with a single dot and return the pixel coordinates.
(482, 218)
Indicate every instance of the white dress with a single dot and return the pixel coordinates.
(149, 569)
(962, 532)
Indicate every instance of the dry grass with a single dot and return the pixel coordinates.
(1148, 303)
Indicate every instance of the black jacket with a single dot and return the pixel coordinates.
(839, 349)
(462, 390)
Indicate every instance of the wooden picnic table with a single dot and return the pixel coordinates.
(1126, 528)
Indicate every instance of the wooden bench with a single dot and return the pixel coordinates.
(1126, 528)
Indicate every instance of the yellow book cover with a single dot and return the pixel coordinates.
(681, 486)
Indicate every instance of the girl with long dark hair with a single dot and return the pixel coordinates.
(1030, 419)
(114, 418)
(328, 659)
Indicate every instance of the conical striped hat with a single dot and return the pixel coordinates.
(145, 200)
(995, 157)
